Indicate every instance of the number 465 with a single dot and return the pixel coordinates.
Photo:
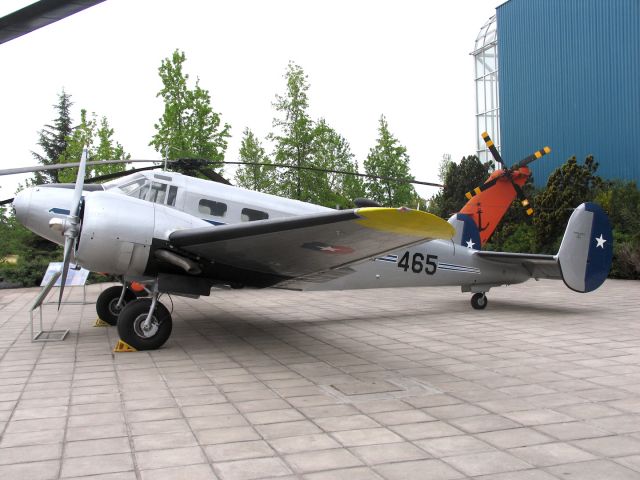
(418, 263)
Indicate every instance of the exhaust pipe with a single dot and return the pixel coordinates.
(189, 266)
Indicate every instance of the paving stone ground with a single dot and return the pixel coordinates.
(373, 384)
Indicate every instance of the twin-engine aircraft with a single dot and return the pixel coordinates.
(181, 235)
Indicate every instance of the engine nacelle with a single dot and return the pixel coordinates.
(116, 234)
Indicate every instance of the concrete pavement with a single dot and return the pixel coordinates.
(374, 384)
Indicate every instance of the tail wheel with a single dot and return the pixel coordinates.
(107, 303)
(479, 301)
(132, 328)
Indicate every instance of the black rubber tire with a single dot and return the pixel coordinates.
(107, 301)
(479, 301)
(131, 317)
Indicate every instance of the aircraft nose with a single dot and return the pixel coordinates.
(21, 205)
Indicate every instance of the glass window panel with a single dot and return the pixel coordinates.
(250, 215)
(173, 194)
(211, 207)
(158, 192)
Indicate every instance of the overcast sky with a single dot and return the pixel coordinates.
(408, 60)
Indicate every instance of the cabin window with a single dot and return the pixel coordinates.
(173, 194)
(251, 215)
(211, 207)
(158, 192)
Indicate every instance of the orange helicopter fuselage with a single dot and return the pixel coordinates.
(487, 207)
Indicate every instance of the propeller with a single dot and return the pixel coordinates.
(70, 226)
(509, 173)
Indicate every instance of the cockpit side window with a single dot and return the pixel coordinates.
(173, 194)
(158, 192)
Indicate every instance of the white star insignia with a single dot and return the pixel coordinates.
(600, 241)
(470, 243)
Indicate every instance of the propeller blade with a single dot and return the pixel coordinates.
(534, 156)
(71, 232)
(77, 192)
(69, 242)
(492, 148)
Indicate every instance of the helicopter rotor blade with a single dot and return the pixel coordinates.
(522, 198)
(534, 156)
(492, 148)
(58, 166)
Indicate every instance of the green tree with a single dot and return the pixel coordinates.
(567, 187)
(99, 143)
(332, 152)
(458, 179)
(188, 128)
(388, 158)
(621, 200)
(53, 139)
(293, 143)
(261, 178)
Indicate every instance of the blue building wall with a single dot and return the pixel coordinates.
(569, 73)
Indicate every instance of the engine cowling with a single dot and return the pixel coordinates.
(116, 234)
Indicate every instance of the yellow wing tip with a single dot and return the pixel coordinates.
(405, 221)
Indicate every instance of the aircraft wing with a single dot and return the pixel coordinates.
(302, 245)
(538, 266)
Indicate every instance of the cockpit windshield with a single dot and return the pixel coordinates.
(133, 186)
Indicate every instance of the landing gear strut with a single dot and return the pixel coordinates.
(111, 302)
(145, 323)
(479, 301)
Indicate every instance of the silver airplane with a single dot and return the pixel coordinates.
(181, 235)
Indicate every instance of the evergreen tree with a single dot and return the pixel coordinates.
(388, 158)
(188, 128)
(255, 177)
(86, 135)
(458, 179)
(331, 151)
(567, 187)
(53, 139)
(294, 141)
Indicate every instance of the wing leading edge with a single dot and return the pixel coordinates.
(302, 245)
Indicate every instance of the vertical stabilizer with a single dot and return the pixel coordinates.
(586, 250)
(467, 233)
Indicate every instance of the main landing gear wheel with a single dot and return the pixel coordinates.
(132, 328)
(107, 303)
(479, 301)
